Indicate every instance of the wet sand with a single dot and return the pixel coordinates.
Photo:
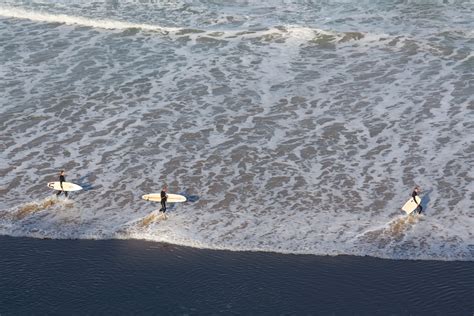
(138, 277)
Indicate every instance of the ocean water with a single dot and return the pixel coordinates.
(135, 277)
(292, 126)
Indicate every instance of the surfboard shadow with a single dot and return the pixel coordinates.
(189, 197)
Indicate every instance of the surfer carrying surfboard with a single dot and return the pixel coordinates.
(62, 179)
(164, 197)
(415, 193)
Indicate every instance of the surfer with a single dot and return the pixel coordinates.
(164, 197)
(62, 179)
(416, 192)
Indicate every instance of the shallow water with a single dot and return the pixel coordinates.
(299, 127)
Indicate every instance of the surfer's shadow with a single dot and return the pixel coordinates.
(425, 200)
(85, 184)
(190, 197)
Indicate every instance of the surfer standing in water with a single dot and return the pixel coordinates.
(62, 179)
(416, 192)
(164, 197)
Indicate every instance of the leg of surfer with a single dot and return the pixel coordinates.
(163, 209)
(62, 179)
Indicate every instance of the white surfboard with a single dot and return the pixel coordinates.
(410, 205)
(156, 197)
(67, 186)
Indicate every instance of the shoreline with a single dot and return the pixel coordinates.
(263, 251)
(258, 251)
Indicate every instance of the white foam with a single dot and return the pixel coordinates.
(295, 140)
(107, 24)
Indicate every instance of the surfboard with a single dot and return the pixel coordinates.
(67, 186)
(410, 205)
(156, 197)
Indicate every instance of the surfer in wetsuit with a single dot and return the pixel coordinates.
(164, 197)
(415, 193)
(62, 179)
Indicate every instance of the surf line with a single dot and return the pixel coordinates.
(78, 20)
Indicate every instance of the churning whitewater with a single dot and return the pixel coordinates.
(291, 127)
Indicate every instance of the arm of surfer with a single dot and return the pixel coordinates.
(413, 195)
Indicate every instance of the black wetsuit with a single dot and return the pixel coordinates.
(419, 205)
(163, 201)
(61, 180)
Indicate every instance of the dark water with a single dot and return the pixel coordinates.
(136, 277)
